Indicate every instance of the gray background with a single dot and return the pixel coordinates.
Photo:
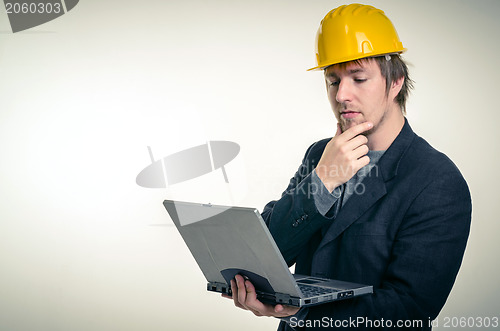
(82, 247)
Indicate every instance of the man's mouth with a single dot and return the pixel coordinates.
(348, 114)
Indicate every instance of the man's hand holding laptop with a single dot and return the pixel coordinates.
(245, 297)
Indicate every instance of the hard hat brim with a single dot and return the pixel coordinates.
(353, 58)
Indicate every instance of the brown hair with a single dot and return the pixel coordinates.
(393, 69)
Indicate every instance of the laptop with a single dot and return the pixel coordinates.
(226, 241)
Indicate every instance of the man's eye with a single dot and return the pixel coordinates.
(335, 83)
(360, 80)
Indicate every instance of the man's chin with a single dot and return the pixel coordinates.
(346, 125)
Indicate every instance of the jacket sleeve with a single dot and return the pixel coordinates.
(425, 259)
(294, 219)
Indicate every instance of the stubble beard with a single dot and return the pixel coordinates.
(348, 123)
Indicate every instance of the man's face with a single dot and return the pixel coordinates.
(357, 94)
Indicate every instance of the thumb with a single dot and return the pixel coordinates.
(339, 130)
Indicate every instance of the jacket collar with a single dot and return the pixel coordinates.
(389, 162)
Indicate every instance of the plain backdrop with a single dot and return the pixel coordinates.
(83, 247)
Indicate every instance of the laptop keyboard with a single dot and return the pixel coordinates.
(310, 291)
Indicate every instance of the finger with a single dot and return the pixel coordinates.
(234, 289)
(361, 162)
(241, 297)
(355, 142)
(283, 310)
(360, 151)
(356, 164)
(356, 130)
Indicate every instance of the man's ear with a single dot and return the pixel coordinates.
(396, 88)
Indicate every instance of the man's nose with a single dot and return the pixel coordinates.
(344, 92)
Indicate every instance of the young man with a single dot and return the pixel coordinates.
(375, 204)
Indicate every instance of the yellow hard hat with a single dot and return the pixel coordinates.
(352, 32)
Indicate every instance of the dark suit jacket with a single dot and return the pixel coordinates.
(404, 232)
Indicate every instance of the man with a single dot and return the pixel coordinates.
(375, 204)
